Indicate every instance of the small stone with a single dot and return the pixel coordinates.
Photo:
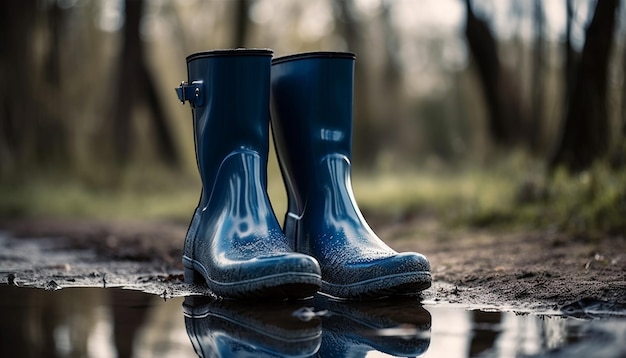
(11, 279)
(52, 286)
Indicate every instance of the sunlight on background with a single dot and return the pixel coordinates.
(421, 112)
(111, 17)
(417, 22)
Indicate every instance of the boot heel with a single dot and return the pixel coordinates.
(192, 276)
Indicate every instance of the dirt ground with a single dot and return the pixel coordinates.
(506, 269)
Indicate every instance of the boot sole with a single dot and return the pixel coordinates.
(286, 285)
(404, 284)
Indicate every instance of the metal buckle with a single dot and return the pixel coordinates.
(190, 92)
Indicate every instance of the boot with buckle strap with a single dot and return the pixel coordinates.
(234, 243)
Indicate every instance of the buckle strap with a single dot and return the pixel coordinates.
(193, 93)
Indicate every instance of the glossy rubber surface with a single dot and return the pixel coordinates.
(230, 328)
(398, 327)
(311, 102)
(234, 242)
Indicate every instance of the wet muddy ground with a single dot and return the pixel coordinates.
(530, 270)
(514, 287)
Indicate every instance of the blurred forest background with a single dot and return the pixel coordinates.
(478, 112)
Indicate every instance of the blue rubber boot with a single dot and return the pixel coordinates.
(234, 242)
(232, 328)
(397, 327)
(311, 102)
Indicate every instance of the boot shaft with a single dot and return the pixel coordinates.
(312, 109)
(313, 93)
(229, 95)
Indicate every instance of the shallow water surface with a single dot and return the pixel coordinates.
(97, 322)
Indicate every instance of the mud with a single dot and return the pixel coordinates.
(478, 268)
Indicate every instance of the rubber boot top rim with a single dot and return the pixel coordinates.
(231, 52)
(316, 54)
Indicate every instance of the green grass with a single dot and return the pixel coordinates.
(515, 193)
(157, 195)
(512, 195)
(591, 203)
(450, 194)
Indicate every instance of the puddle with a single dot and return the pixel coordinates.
(96, 322)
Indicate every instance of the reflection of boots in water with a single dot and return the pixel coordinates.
(400, 327)
(234, 242)
(229, 328)
(312, 95)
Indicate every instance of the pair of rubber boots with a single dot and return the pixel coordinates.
(234, 328)
(234, 242)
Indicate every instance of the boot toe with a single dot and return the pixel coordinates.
(405, 273)
(288, 275)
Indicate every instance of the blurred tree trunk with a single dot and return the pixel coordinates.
(242, 7)
(32, 137)
(619, 156)
(570, 54)
(535, 120)
(585, 130)
(134, 83)
(56, 19)
(393, 63)
(391, 92)
(502, 98)
(16, 78)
